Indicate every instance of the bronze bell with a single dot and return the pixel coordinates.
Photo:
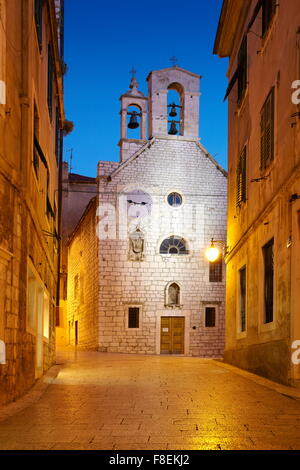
(173, 130)
(133, 123)
(173, 111)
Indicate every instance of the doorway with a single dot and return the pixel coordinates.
(172, 335)
(76, 332)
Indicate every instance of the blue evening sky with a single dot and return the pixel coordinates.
(104, 39)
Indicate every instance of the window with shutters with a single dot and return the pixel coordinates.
(242, 69)
(268, 256)
(210, 317)
(267, 131)
(268, 12)
(36, 158)
(215, 270)
(38, 16)
(242, 303)
(133, 317)
(57, 136)
(50, 81)
(241, 178)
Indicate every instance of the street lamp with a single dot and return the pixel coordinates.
(212, 253)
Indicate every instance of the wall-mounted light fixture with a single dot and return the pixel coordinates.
(213, 252)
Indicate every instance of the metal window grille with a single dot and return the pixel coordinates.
(215, 271)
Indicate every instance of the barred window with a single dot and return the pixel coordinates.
(133, 317)
(215, 270)
(267, 131)
(241, 178)
(268, 11)
(210, 317)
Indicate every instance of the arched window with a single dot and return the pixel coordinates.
(133, 122)
(173, 294)
(175, 109)
(173, 246)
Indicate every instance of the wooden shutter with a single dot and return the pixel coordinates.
(242, 69)
(268, 11)
(38, 15)
(241, 178)
(268, 252)
(267, 131)
(50, 80)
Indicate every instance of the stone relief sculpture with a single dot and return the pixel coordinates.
(136, 246)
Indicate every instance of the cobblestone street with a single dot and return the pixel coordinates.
(129, 402)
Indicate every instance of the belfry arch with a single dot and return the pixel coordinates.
(175, 105)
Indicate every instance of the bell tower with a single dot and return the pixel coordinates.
(134, 110)
(182, 119)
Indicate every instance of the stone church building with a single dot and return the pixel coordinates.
(138, 278)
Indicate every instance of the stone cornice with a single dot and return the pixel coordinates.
(228, 26)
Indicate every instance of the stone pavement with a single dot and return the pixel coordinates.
(130, 402)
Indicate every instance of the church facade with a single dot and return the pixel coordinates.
(138, 279)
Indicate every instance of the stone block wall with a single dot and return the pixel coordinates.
(83, 283)
(170, 164)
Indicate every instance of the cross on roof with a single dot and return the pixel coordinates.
(133, 72)
(173, 60)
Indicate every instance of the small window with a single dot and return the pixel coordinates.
(268, 11)
(241, 178)
(174, 246)
(268, 254)
(133, 317)
(210, 317)
(267, 131)
(215, 270)
(242, 279)
(174, 199)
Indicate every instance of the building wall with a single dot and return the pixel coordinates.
(83, 286)
(28, 241)
(166, 164)
(77, 191)
(273, 61)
